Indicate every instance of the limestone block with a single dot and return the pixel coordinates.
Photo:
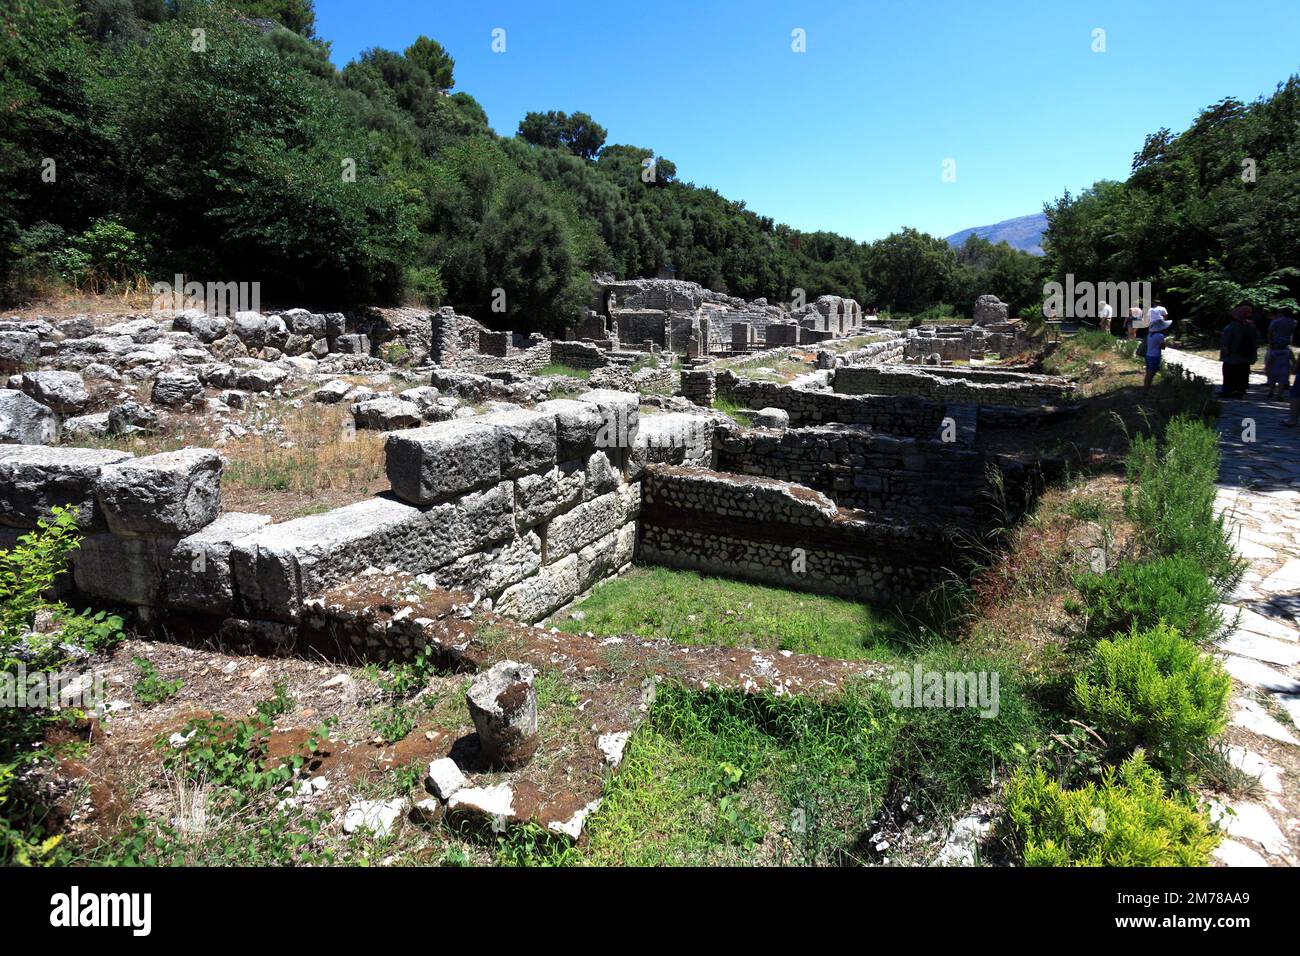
(123, 570)
(275, 568)
(542, 496)
(64, 392)
(620, 413)
(493, 570)
(589, 521)
(175, 493)
(198, 571)
(25, 421)
(442, 461)
(474, 522)
(526, 440)
(577, 425)
(35, 478)
(532, 599)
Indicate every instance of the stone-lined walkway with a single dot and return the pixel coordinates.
(1259, 493)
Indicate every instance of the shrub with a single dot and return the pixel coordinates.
(1154, 689)
(1126, 821)
(1172, 500)
(1139, 596)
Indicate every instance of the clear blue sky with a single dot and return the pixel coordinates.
(851, 135)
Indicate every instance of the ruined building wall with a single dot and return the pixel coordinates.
(924, 480)
(779, 533)
(1005, 389)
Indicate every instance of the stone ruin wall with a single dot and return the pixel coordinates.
(910, 416)
(777, 533)
(908, 478)
(1022, 391)
(523, 507)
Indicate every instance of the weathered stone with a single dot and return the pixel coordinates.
(990, 310)
(353, 343)
(18, 350)
(444, 778)
(130, 416)
(64, 392)
(438, 462)
(25, 421)
(198, 574)
(277, 567)
(589, 521)
(525, 441)
(251, 328)
(503, 705)
(577, 425)
(173, 389)
(123, 570)
(304, 323)
(489, 570)
(77, 327)
(175, 493)
(542, 496)
(552, 587)
(377, 817)
(84, 427)
(620, 412)
(475, 521)
(771, 418)
(332, 392)
(386, 414)
(35, 478)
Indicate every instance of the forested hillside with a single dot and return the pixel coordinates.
(136, 148)
(1210, 216)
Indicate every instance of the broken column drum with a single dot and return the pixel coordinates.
(503, 703)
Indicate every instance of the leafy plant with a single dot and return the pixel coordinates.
(149, 687)
(1154, 689)
(1139, 595)
(1126, 820)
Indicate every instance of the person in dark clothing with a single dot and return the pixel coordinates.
(1238, 350)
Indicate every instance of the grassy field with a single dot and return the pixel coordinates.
(691, 608)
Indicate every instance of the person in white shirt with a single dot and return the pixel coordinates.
(1104, 315)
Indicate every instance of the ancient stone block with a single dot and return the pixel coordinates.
(198, 572)
(173, 493)
(541, 496)
(25, 421)
(122, 570)
(442, 461)
(532, 599)
(577, 425)
(525, 440)
(35, 478)
(64, 392)
(277, 567)
(474, 522)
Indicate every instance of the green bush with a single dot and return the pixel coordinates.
(27, 575)
(1126, 821)
(1154, 689)
(1140, 595)
(1172, 497)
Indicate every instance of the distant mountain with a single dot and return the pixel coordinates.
(1025, 232)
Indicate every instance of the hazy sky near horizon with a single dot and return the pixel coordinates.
(852, 134)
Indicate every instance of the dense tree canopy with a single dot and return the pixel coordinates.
(1211, 216)
(245, 155)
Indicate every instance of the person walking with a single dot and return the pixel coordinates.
(1155, 349)
(1131, 323)
(1238, 351)
(1104, 317)
(1277, 360)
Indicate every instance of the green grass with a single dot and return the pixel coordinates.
(559, 368)
(725, 778)
(690, 608)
